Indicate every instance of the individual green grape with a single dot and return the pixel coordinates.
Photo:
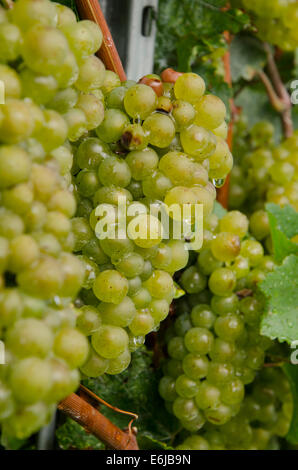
(221, 130)
(119, 364)
(253, 251)
(84, 37)
(222, 281)
(131, 265)
(225, 246)
(234, 222)
(91, 152)
(121, 314)
(95, 365)
(211, 112)
(156, 185)
(199, 340)
(184, 408)
(183, 113)
(30, 380)
(189, 87)
(91, 74)
(44, 49)
(185, 387)
(30, 337)
(114, 170)
(93, 109)
(159, 309)
(28, 13)
(110, 341)
(72, 346)
(134, 137)
(140, 101)
(195, 366)
(193, 281)
(142, 163)
(161, 129)
(110, 286)
(141, 297)
(198, 142)
(259, 224)
(14, 166)
(160, 284)
(208, 396)
(143, 323)
(12, 82)
(10, 40)
(115, 99)
(229, 327)
(17, 123)
(202, 316)
(24, 251)
(207, 262)
(113, 125)
(182, 171)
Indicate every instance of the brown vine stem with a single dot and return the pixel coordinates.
(286, 113)
(96, 398)
(97, 424)
(276, 102)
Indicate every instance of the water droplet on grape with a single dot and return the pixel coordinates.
(218, 183)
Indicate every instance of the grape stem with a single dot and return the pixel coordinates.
(276, 102)
(281, 91)
(97, 424)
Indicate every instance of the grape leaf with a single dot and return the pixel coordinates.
(291, 371)
(283, 225)
(247, 56)
(280, 288)
(136, 390)
(70, 435)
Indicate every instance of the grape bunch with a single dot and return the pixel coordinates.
(276, 21)
(263, 173)
(52, 97)
(265, 415)
(214, 346)
(73, 138)
(159, 143)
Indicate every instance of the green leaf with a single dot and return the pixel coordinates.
(283, 225)
(291, 371)
(73, 436)
(280, 288)
(136, 390)
(247, 56)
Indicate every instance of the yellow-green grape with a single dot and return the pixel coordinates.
(139, 101)
(211, 112)
(189, 87)
(198, 142)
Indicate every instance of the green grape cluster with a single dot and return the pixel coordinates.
(158, 145)
(70, 299)
(265, 415)
(214, 346)
(264, 173)
(276, 21)
(53, 96)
